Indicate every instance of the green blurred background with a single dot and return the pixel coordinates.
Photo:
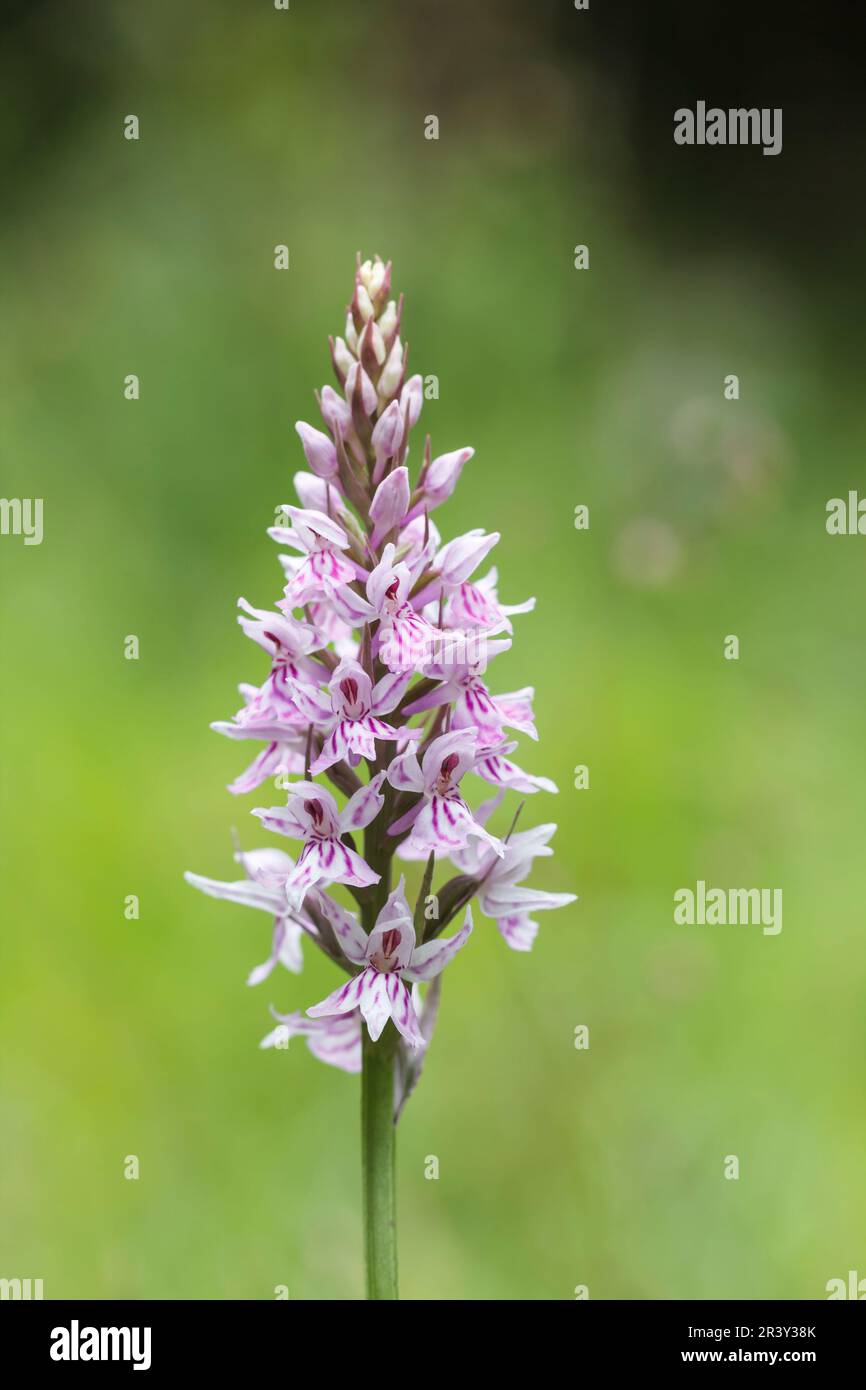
(557, 1167)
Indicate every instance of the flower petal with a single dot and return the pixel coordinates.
(244, 891)
(402, 1010)
(335, 1040)
(518, 931)
(506, 898)
(405, 773)
(347, 929)
(361, 808)
(374, 1001)
(293, 960)
(431, 959)
(389, 691)
(283, 819)
(343, 1000)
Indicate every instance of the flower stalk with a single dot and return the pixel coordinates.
(378, 1120)
(378, 1163)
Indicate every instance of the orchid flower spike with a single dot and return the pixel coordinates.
(375, 711)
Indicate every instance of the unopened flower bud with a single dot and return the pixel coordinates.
(441, 477)
(378, 344)
(388, 319)
(392, 371)
(368, 390)
(388, 433)
(372, 338)
(456, 560)
(364, 303)
(373, 275)
(413, 392)
(335, 411)
(343, 358)
(390, 503)
(318, 450)
(317, 494)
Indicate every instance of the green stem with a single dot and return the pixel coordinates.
(378, 1129)
(378, 1160)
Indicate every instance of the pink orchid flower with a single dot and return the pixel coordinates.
(490, 714)
(477, 606)
(454, 562)
(281, 759)
(285, 736)
(496, 768)
(311, 815)
(264, 887)
(288, 643)
(438, 480)
(389, 957)
(460, 557)
(324, 569)
(440, 819)
(335, 1040)
(473, 705)
(352, 711)
(500, 895)
(331, 629)
(405, 639)
(269, 711)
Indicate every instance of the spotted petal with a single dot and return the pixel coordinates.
(244, 891)
(327, 861)
(431, 959)
(347, 930)
(342, 1001)
(402, 1010)
(285, 949)
(375, 1001)
(445, 822)
(361, 808)
(335, 1040)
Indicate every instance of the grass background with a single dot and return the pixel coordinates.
(557, 1167)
